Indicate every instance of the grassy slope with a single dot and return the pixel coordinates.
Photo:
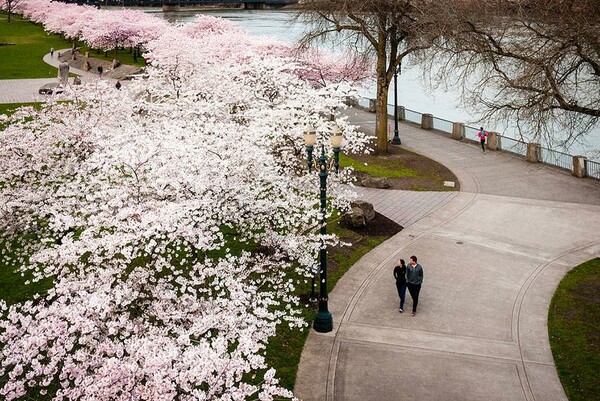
(404, 170)
(24, 59)
(574, 330)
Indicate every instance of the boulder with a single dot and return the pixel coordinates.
(366, 207)
(355, 217)
(375, 182)
(63, 72)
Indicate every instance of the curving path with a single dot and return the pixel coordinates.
(26, 90)
(493, 255)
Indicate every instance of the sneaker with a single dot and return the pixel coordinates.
(400, 310)
(414, 313)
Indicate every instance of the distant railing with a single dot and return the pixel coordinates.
(442, 125)
(548, 156)
(412, 116)
(592, 169)
(556, 158)
(513, 145)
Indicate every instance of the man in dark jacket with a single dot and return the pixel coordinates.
(414, 279)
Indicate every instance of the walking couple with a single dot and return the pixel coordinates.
(409, 276)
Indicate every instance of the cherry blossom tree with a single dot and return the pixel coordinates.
(171, 216)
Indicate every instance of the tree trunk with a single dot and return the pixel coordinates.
(381, 119)
(381, 115)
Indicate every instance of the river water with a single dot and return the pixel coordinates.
(412, 92)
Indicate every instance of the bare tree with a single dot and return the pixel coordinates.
(530, 64)
(389, 29)
(9, 6)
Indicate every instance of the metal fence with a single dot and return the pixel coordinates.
(412, 116)
(442, 125)
(513, 145)
(592, 168)
(507, 144)
(556, 158)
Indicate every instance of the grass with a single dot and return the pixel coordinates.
(125, 56)
(24, 59)
(9, 108)
(574, 330)
(379, 167)
(403, 169)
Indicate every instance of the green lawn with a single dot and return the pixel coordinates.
(403, 169)
(574, 330)
(29, 43)
(378, 167)
(24, 58)
(9, 108)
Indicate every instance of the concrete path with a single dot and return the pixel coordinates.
(22, 90)
(492, 255)
(26, 90)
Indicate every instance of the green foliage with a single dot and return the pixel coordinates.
(574, 330)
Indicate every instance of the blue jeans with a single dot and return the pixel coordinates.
(401, 287)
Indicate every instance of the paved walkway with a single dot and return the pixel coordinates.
(493, 256)
(405, 207)
(26, 90)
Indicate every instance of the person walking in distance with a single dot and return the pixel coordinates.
(52, 52)
(414, 279)
(482, 137)
(400, 276)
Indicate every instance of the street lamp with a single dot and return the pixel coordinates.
(396, 139)
(323, 321)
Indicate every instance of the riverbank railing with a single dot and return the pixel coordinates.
(532, 152)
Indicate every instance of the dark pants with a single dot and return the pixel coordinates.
(414, 290)
(483, 144)
(401, 287)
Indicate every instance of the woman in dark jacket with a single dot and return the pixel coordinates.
(400, 276)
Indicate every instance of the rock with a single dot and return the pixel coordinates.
(375, 182)
(115, 63)
(366, 207)
(63, 72)
(356, 217)
(86, 66)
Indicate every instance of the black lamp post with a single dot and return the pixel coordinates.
(323, 321)
(396, 139)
